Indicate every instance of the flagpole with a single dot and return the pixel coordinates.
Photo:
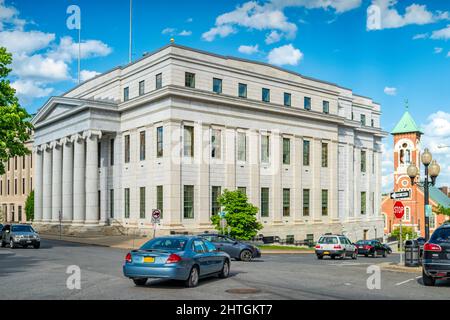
(131, 32)
(79, 54)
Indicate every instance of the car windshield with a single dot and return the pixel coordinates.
(165, 244)
(441, 236)
(364, 242)
(22, 229)
(328, 240)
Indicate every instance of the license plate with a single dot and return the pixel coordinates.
(326, 252)
(149, 259)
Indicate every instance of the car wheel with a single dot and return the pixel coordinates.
(384, 254)
(333, 257)
(427, 280)
(320, 257)
(354, 256)
(246, 255)
(366, 255)
(192, 281)
(12, 245)
(225, 270)
(2, 244)
(374, 254)
(343, 256)
(140, 281)
(37, 245)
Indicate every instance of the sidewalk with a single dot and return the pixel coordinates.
(393, 266)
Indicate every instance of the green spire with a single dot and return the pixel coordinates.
(406, 123)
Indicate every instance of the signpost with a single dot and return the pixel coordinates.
(399, 211)
(400, 195)
(156, 218)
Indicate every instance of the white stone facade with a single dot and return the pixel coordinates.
(84, 173)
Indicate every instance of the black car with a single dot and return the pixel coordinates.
(236, 249)
(388, 248)
(22, 235)
(1, 230)
(371, 247)
(436, 256)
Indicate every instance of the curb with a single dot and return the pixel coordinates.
(396, 268)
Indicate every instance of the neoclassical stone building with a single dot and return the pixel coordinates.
(177, 127)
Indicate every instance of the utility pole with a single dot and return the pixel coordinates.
(130, 53)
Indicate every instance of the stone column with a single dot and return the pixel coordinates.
(173, 188)
(276, 167)
(38, 184)
(79, 170)
(56, 181)
(92, 177)
(203, 156)
(253, 157)
(67, 181)
(297, 193)
(47, 185)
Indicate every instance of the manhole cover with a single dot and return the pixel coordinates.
(243, 291)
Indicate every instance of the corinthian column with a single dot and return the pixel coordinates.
(38, 184)
(92, 177)
(79, 170)
(47, 185)
(56, 182)
(67, 180)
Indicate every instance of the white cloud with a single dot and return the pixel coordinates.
(420, 36)
(222, 31)
(382, 14)
(248, 49)
(19, 42)
(9, 16)
(31, 89)
(438, 50)
(185, 33)
(387, 167)
(67, 49)
(39, 67)
(441, 34)
(168, 31)
(448, 54)
(338, 5)
(285, 55)
(88, 74)
(273, 37)
(390, 91)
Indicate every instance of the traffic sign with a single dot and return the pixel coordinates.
(222, 214)
(428, 210)
(399, 209)
(223, 223)
(156, 215)
(400, 195)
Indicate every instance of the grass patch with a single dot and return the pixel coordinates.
(279, 247)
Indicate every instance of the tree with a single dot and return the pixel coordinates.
(443, 210)
(407, 233)
(240, 215)
(29, 206)
(15, 126)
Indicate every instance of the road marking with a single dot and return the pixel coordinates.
(403, 282)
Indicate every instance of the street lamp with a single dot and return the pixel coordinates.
(432, 170)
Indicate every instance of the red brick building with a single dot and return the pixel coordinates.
(407, 150)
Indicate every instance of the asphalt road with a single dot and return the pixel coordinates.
(41, 274)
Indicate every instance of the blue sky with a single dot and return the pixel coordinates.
(404, 55)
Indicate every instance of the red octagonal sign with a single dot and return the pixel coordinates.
(399, 209)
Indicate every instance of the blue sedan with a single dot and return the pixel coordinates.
(186, 258)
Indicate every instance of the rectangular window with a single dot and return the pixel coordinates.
(324, 155)
(1, 187)
(189, 80)
(127, 148)
(215, 194)
(264, 202)
(142, 202)
(111, 152)
(306, 152)
(126, 94)
(188, 202)
(286, 151)
(160, 199)
(15, 186)
(8, 188)
(9, 165)
(159, 142)
(287, 99)
(99, 154)
(266, 95)
(307, 103)
(24, 161)
(242, 190)
(217, 85)
(242, 90)
(188, 148)
(23, 185)
(363, 161)
(127, 203)
(286, 202)
(265, 148)
(15, 163)
(158, 81)
(142, 145)
(372, 123)
(363, 202)
(363, 119)
(242, 146)
(111, 203)
(324, 202)
(141, 87)
(306, 202)
(326, 107)
(215, 143)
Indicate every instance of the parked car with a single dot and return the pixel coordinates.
(236, 249)
(186, 258)
(371, 247)
(421, 241)
(388, 248)
(22, 235)
(436, 256)
(1, 230)
(335, 246)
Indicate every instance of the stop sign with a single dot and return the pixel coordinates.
(399, 209)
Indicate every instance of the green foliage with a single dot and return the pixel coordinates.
(15, 127)
(240, 215)
(29, 206)
(443, 210)
(407, 233)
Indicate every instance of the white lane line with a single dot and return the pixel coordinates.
(418, 277)
(403, 282)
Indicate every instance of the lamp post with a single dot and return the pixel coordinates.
(432, 170)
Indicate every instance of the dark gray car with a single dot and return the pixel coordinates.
(236, 249)
(16, 235)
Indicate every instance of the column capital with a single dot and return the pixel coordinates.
(37, 149)
(55, 144)
(45, 147)
(65, 140)
(89, 133)
(76, 137)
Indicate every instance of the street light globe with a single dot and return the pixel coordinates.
(434, 169)
(426, 157)
(412, 171)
